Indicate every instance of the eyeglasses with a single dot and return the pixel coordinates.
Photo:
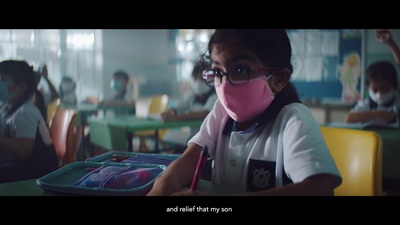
(238, 76)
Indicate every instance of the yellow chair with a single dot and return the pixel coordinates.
(51, 109)
(157, 105)
(358, 156)
(62, 130)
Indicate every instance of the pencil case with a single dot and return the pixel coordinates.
(113, 173)
(93, 178)
(116, 177)
(134, 157)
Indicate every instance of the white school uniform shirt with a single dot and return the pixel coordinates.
(24, 122)
(44, 88)
(190, 105)
(292, 144)
(363, 105)
(113, 96)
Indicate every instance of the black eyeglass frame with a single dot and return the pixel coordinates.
(220, 74)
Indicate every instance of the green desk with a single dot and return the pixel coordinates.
(23, 188)
(115, 133)
(83, 111)
(29, 188)
(391, 148)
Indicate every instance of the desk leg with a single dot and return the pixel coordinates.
(83, 137)
(157, 149)
(81, 152)
(129, 140)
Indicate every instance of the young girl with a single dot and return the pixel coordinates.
(384, 100)
(27, 150)
(262, 140)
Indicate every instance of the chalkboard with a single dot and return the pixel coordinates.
(327, 63)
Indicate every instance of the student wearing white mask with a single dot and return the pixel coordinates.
(197, 105)
(384, 99)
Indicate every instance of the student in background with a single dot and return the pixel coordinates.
(27, 150)
(67, 91)
(383, 102)
(45, 86)
(262, 139)
(120, 94)
(195, 106)
(38, 98)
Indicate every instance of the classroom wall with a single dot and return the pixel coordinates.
(373, 51)
(143, 53)
(149, 54)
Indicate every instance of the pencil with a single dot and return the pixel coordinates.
(199, 167)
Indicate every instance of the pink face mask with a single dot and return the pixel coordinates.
(246, 101)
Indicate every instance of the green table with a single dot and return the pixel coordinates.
(115, 133)
(83, 111)
(29, 188)
(390, 144)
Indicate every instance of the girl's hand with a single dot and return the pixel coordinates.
(194, 193)
(169, 115)
(383, 35)
(163, 187)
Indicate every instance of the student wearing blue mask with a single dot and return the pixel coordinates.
(27, 150)
(5, 96)
(120, 94)
(262, 139)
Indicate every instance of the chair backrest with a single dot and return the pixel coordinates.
(358, 156)
(51, 109)
(62, 130)
(158, 104)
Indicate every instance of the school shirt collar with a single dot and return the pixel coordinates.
(267, 116)
(374, 105)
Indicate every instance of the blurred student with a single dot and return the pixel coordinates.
(67, 91)
(195, 106)
(120, 95)
(45, 86)
(262, 139)
(27, 150)
(38, 98)
(383, 102)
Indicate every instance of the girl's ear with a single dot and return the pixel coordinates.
(280, 80)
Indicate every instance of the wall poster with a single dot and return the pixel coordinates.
(327, 64)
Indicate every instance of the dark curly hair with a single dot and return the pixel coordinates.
(22, 73)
